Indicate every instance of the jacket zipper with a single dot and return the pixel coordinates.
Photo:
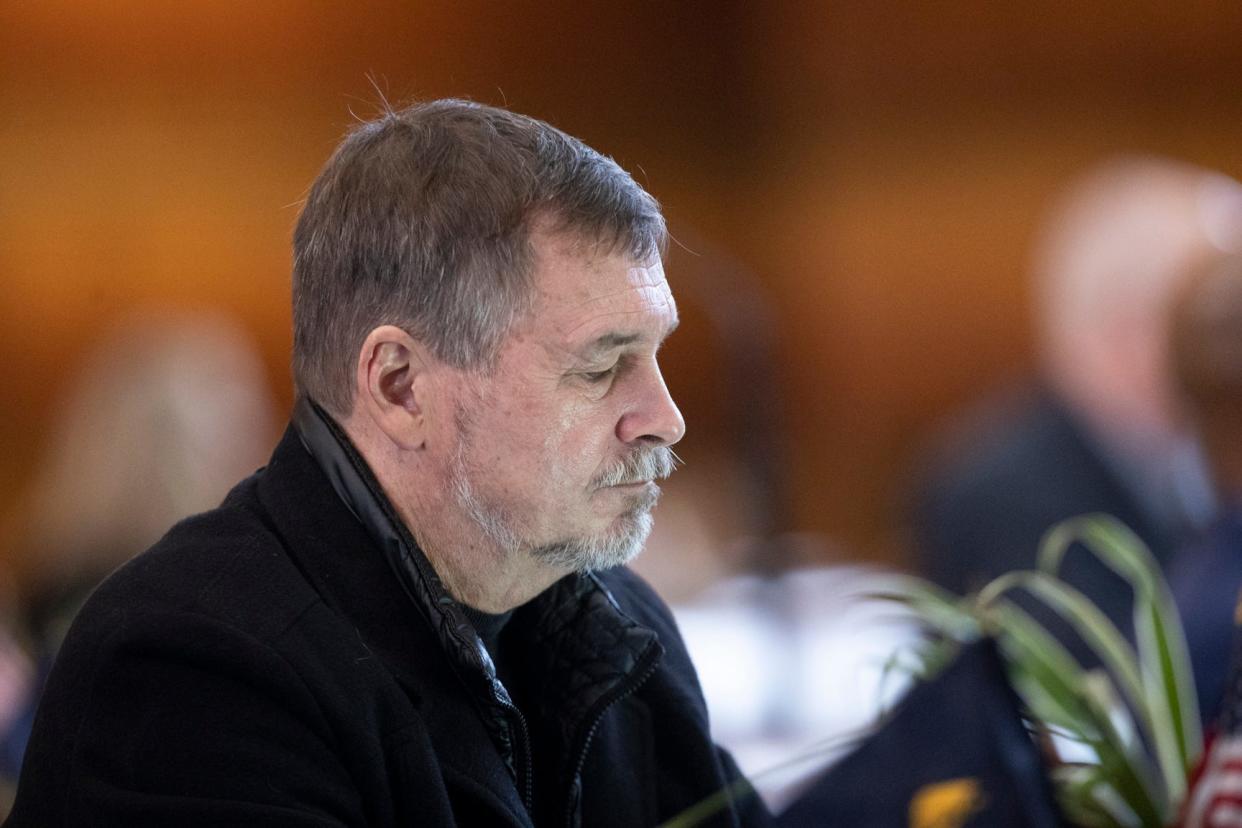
(526, 769)
(638, 680)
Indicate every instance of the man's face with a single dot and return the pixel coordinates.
(559, 446)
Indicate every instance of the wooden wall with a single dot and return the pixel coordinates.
(875, 170)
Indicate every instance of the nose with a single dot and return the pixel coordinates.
(652, 417)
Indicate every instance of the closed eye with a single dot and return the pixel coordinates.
(600, 376)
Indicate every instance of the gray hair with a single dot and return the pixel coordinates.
(422, 219)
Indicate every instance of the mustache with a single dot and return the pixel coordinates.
(639, 467)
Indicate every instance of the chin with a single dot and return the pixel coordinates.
(616, 547)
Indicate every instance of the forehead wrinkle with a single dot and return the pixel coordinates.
(637, 277)
(648, 305)
(666, 298)
(638, 335)
(642, 292)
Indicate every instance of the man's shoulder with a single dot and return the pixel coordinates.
(227, 563)
(207, 670)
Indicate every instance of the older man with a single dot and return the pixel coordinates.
(416, 613)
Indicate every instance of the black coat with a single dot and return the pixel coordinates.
(288, 659)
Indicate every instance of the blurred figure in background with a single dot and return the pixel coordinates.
(162, 416)
(1101, 431)
(1206, 355)
(1206, 575)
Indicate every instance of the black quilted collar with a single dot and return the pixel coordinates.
(580, 650)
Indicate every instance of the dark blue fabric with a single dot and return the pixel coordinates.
(1205, 578)
(962, 727)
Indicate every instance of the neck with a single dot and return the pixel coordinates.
(476, 570)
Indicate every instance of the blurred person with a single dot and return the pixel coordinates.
(162, 415)
(1101, 430)
(165, 412)
(418, 612)
(1206, 575)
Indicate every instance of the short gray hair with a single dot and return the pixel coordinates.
(422, 219)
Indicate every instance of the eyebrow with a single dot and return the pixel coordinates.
(607, 342)
(612, 340)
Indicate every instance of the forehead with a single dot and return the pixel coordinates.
(583, 293)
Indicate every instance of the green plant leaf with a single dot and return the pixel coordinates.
(942, 610)
(1075, 785)
(1044, 673)
(1051, 684)
(1162, 654)
(1136, 719)
(1129, 778)
(1099, 633)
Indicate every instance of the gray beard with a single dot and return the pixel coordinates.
(576, 554)
(602, 551)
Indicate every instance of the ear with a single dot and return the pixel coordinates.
(393, 385)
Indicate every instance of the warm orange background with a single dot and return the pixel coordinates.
(877, 167)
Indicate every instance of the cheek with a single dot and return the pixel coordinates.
(581, 441)
(556, 439)
(512, 422)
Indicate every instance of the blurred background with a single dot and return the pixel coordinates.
(855, 189)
